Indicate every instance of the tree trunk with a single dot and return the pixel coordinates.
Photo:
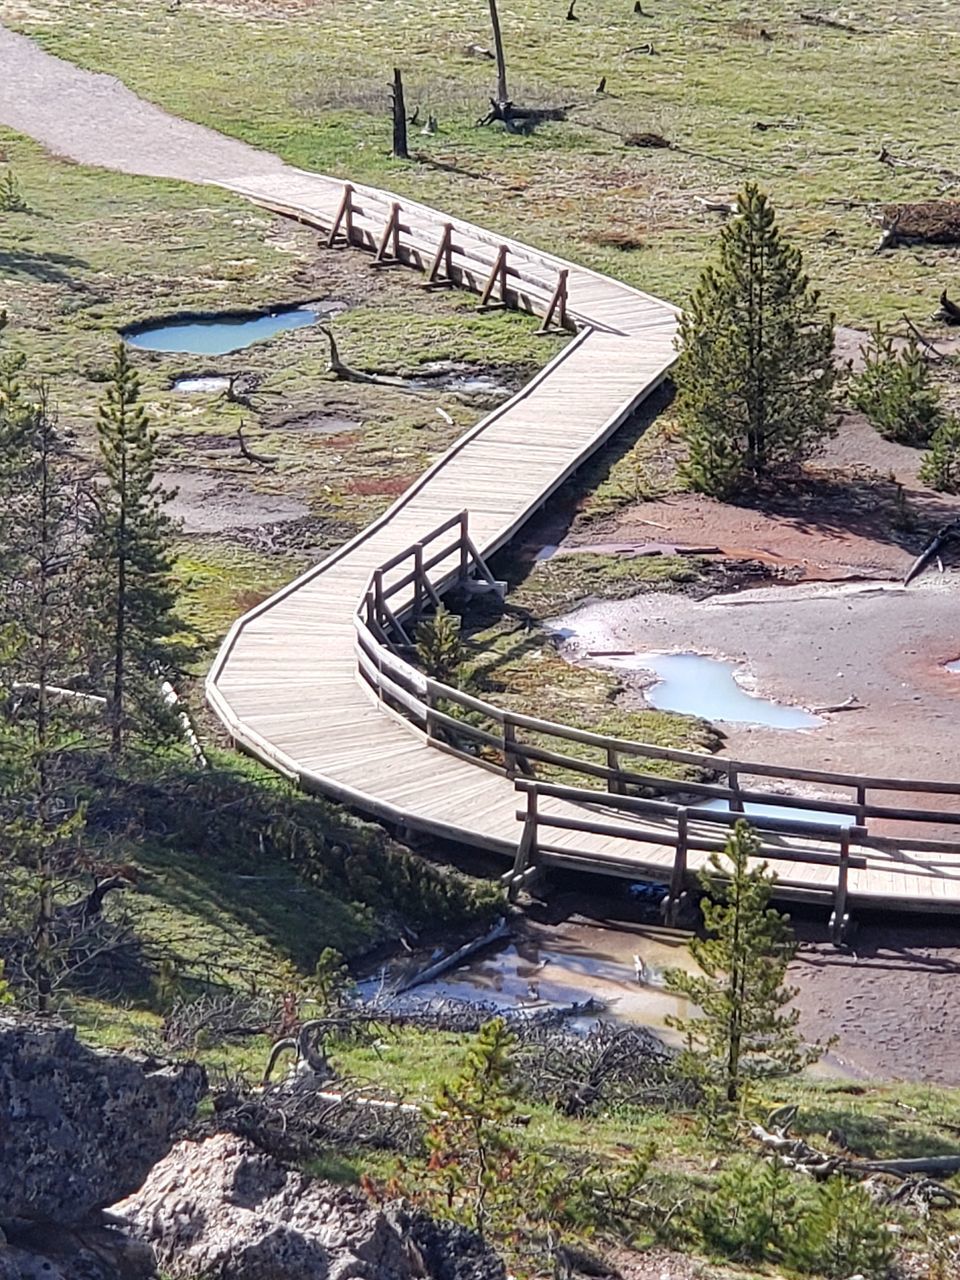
(399, 118)
(502, 95)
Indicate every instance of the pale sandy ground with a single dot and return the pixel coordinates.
(813, 645)
(96, 120)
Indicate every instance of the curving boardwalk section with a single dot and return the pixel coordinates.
(309, 682)
(286, 682)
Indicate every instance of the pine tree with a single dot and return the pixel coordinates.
(41, 571)
(844, 1233)
(940, 468)
(755, 374)
(439, 646)
(895, 390)
(743, 1031)
(139, 635)
(471, 1151)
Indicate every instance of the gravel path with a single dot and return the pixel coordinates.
(96, 120)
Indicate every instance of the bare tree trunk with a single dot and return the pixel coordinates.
(399, 118)
(502, 95)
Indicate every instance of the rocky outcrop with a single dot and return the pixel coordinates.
(82, 1129)
(222, 1209)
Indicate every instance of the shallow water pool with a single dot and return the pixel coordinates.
(218, 336)
(701, 686)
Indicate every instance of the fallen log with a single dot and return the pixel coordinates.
(821, 20)
(344, 372)
(500, 930)
(797, 1154)
(523, 119)
(261, 459)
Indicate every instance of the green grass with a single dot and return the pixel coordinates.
(309, 83)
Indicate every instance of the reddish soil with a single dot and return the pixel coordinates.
(846, 520)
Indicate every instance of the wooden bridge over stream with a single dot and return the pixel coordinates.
(317, 682)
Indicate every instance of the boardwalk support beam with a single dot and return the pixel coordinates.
(556, 318)
(388, 250)
(840, 920)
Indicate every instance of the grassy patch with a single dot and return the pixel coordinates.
(804, 112)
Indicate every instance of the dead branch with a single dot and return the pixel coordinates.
(852, 703)
(924, 342)
(897, 162)
(949, 311)
(723, 207)
(889, 239)
(499, 930)
(344, 372)
(821, 20)
(263, 460)
(523, 119)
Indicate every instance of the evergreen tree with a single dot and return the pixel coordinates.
(472, 1154)
(139, 636)
(755, 374)
(940, 468)
(439, 646)
(41, 570)
(743, 1031)
(896, 391)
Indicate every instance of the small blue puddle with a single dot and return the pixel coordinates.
(699, 686)
(783, 811)
(218, 337)
(953, 666)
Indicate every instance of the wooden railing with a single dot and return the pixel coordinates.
(617, 771)
(498, 270)
(659, 825)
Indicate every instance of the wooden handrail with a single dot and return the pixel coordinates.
(427, 702)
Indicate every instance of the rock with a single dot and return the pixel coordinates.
(82, 1128)
(94, 1253)
(224, 1210)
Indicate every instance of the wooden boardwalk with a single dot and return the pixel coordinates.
(286, 681)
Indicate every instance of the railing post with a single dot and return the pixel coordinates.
(735, 803)
(526, 849)
(840, 920)
(678, 876)
(429, 723)
(509, 747)
(861, 805)
(418, 579)
(464, 546)
(614, 785)
(344, 216)
(378, 596)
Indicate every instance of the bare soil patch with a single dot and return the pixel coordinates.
(891, 999)
(860, 512)
(211, 504)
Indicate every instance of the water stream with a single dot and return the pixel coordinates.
(570, 963)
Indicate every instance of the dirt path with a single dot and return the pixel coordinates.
(96, 120)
